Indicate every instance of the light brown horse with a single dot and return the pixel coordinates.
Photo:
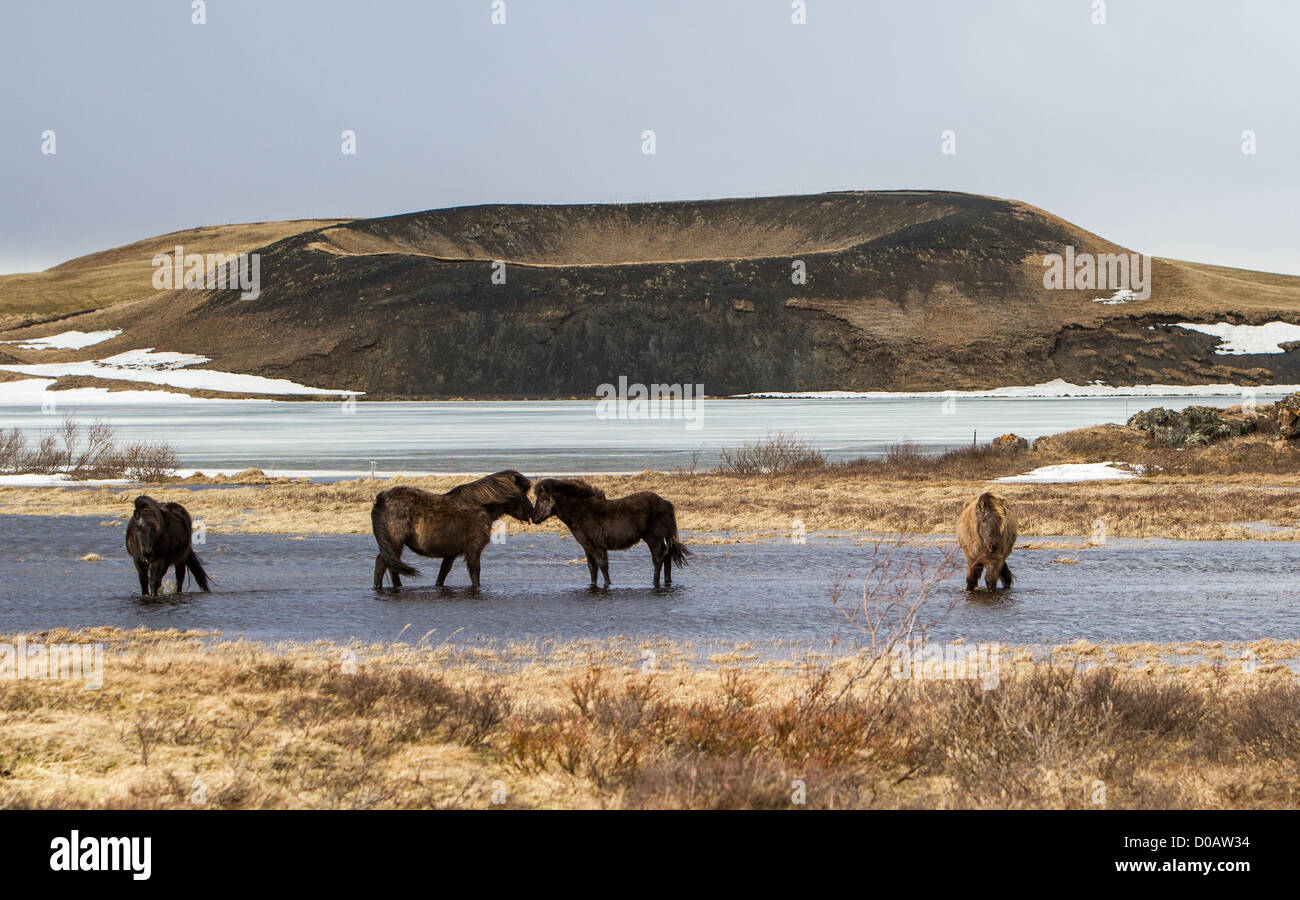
(986, 532)
(444, 525)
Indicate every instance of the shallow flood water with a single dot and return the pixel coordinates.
(283, 587)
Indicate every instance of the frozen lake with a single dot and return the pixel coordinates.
(335, 439)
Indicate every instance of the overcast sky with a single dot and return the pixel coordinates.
(1132, 128)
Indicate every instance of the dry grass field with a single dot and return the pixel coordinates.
(1200, 508)
(184, 721)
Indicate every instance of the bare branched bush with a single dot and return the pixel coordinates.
(47, 458)
(777, 453)
(693, 466)
(13, 451)
(897, 589)
(86, 452)
(905, 455)
(148, 461)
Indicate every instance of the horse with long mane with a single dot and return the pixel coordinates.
(444, 525)
(601, 525)
(986, 532)
(159, 536)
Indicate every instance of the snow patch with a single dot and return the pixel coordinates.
(1123, 295)
(31, 392)
(48, 480)
(1238, 340)
(170, 369)
(149, 359)
(1071, 473)
(67, 340)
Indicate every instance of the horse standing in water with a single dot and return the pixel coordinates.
(986, 532)
(158, 537)
(444, 525)
(601, 525)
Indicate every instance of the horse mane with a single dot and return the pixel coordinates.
(992, 505)
(497, 488)
(571, 487)
(144, 501)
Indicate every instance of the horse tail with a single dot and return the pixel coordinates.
(677, 551)
(197, 572)
(388, 548)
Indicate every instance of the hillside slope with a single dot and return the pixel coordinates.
(905, 290)
(124, 273)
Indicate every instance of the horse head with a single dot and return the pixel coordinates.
(561, 491)
(544, 505)
(146, 525)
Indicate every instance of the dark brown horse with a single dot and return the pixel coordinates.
(444, 525)
(601, 525)
(158, 537)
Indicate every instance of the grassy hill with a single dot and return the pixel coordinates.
(125, 273)
(905, 290)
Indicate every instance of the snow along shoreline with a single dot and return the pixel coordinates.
(1049, 390)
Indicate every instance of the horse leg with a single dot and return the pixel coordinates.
(657, 553)
(602, 560)
(445, 569)
(142, 571)
(180, 576)
(1005, 578)
(156, 570)
(591, 567)
(973, 571)
(380, 569)
(472, 563)
(991, 574)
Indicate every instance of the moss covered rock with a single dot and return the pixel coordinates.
(1195, 426)
(1287, 411)
(1010, 442)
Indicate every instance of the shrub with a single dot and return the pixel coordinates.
(149, 461)
(777, 453)
(85, 452)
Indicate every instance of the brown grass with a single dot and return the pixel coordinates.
(1187, 507)
(180, 723)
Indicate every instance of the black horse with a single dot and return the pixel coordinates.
(158, 537)
(601, 525)
(446, 525)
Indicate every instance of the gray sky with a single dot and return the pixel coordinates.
(1131, 129)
